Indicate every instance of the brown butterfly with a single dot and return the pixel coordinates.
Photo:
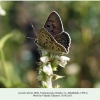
(53, 37)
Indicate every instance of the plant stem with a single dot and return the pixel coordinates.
(49, 81)
(4, 67)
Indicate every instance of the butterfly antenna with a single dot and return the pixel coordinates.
(34, 30)
(31, 38)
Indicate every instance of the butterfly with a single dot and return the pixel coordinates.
(52, 36)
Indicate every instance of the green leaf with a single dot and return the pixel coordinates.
(4, 39)
(2, 42)
(3, 81)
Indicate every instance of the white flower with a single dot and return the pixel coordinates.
(44, 52)
(44, 59)
(62, 60)
(2, 11)
(47, 69)
(48, 82)
(44, 84)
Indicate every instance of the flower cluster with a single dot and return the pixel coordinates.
(48, 63)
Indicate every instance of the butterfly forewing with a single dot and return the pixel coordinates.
(54, 24)
(46, 41)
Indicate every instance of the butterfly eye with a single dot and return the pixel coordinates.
(35, 41)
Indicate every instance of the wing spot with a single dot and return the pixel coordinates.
(48, 25)
(53, 47)
(53, 25)
(44, 43)
(58, 49)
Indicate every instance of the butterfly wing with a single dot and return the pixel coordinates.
(64, 39)
(54, 24)
(55, 27)
(47, 41)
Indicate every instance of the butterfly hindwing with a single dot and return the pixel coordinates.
(47, 41)
(64, 39)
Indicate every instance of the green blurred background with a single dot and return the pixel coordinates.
(19, 56)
